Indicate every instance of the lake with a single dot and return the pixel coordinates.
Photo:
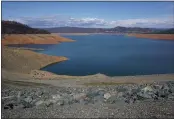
(112, 55)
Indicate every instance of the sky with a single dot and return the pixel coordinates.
(90, 14)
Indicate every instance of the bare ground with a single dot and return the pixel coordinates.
(154, 36)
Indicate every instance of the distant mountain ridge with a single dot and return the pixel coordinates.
(117, 29)
(13, 27)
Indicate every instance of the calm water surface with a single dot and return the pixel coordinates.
(112, 55)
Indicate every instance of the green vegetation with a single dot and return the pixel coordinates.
(13, 27)
(168, 31)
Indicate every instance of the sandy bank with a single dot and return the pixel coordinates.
(37, 76)
(33, 39)
(72, 34)
(79, 34)
(23, 61)
(154, 36)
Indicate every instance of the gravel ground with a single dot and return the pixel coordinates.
(44, 101)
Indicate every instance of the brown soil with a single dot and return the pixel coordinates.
(154, 36)
(23, 61)
(33, 39)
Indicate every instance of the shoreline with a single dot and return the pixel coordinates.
(25, 61)
(10, 39)
(153, 36)
(137, 35)
(79, 34)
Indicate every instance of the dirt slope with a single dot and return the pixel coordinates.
(23, 61)
(33, 39)
(154, 36)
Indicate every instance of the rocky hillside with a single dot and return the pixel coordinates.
(13, 27)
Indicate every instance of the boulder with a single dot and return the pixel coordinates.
(112, 99)
(147, 88)
(107, 96)
(56, 97)
(40, 102)
(101, 92)
(60, 102)
(79, 96)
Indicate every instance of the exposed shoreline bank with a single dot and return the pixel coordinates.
(26, 61)
(154, 36)
(9, 39)
(138, 35)
(87, 33)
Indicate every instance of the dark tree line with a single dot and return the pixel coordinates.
(13, 27)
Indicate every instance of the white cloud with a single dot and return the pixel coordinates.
(62, 20)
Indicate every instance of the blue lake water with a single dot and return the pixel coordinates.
(111, 55)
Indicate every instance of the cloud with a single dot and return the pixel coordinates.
(63, 20)
(146, 22)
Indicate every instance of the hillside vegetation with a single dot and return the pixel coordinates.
(13, 27)
(17, 33)
(168, 31)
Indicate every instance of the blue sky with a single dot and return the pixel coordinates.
(90, 14)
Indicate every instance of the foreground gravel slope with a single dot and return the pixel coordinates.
(29, 100)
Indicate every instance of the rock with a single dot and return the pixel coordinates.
(60, 102)
(39, 93)
(101, 92)
(8, 97)
(171, 97)
(9, 106)
(83, 101)
(98, 99)
(40, 102)
(26, 104)
(56, 97)
(91, 94)
(112, 99)
(20, 106)
(121, 89)
(49, 102)
(107, 96)
(145, 95)
(18, 96)
(163, 93)
(28, 99)
(147, 88)
(120, 94)
(79, 96)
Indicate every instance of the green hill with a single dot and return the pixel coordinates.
(13, 27)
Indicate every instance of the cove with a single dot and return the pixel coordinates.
(112, 55)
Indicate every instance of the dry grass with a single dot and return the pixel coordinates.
(33, 39)
(154, 36)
